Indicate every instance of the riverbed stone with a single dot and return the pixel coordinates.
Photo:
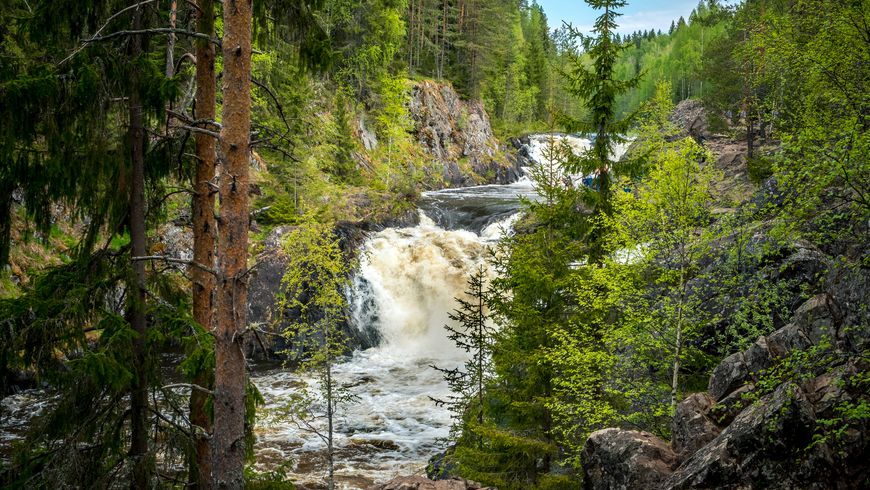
(421, 483)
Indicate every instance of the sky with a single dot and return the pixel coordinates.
(638, 15)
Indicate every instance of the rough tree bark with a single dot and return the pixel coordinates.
(139, 395)
(228, 439)
(204, 230)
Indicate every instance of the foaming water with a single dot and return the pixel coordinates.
(406, 286)
(538, 145)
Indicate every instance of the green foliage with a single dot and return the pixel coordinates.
(759, 169)
(597, 84)
(821, 359)
(67, 328)
(275, 479)
(312, 305)
(515, 444)
(474, 335)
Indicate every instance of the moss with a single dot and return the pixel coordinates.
(8, 287)
(759, 168)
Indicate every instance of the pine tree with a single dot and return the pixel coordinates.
(228, 438)
(204, 235)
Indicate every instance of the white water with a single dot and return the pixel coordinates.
(405, 288)
(538, 144)
(406, 285)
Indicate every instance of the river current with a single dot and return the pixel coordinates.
(405, 288)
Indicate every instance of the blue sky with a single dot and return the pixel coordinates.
(638, 15)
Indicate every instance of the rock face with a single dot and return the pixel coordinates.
(748, 433)
(420, 483)
(459, 137)
(616, 459)
(266, 284)
(693, 426)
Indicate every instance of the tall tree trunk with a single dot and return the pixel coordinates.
(228, 438)
(139, 395)
(750, 134)
(204, 230)
(170, 41)
(678, 344)
(329, 416)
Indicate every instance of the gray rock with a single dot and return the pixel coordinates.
(617, 459)
(786, 339)
(420, 483)
(691, 117)
(729, 375)
(761, 448)
(817, 318)
(775, 439)
(367, 135)
(459, 137)
(727, 409)
(693, 428)
(265, 284)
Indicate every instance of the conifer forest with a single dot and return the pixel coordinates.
(435, 244)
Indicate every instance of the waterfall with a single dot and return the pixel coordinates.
(405, 288)
(407, 282)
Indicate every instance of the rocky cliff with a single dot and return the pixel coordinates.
(784, 413)
(458, 137)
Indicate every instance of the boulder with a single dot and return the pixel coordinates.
(420, 483)
(729, 375)
(693, 427)
(804, 429)
(617, 459)
(763, 447)
(691, 117)
(440, 466)
(726, 409)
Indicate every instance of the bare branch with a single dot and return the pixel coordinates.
(188, 385)
(194, 122)
(177, 261)
(110, 19)
(195, 129)
(154, 30)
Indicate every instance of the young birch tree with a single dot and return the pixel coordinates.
(672, 204)
(313, 298)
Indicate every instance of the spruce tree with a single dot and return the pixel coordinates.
(474, 335)
(599, 86)
(82, 147)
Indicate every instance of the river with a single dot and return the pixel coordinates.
(405, 288)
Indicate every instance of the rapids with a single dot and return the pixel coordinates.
(405, 288)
